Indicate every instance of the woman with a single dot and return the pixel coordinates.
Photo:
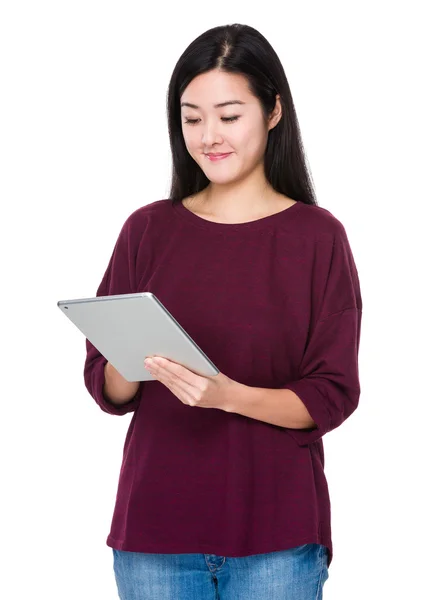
(232, 502)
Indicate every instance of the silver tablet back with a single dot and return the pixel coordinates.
(129, 327)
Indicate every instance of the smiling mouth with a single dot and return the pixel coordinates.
(217, 154)
(215, 157)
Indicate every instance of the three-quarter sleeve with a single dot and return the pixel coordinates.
(119, 278)
(329, 383)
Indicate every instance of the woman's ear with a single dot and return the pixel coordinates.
(276, 114)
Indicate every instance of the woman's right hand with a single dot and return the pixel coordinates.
(116, 388)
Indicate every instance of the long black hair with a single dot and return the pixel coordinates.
(243, 50)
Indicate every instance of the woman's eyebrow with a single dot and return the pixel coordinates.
(220, 105)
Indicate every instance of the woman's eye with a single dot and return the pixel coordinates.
(225, 119)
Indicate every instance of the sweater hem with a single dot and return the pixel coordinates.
(199, 547)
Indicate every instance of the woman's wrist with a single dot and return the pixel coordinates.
(116, 388)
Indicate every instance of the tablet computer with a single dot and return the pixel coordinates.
(127, 328)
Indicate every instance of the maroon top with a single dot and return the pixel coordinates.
(274, 303)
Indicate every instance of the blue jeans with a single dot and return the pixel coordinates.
(294, 574)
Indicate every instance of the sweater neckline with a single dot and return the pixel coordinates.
(262, 223)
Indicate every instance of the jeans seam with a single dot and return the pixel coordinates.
(322, 557)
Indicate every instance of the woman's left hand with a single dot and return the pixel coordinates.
(216, 391)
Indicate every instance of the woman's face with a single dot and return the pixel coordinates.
(239, 129)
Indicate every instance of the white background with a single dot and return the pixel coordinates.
(84, 143)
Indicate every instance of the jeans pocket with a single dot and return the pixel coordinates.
(304, 548)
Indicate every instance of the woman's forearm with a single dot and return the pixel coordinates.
(116, 389)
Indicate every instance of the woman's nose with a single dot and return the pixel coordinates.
(210, 135)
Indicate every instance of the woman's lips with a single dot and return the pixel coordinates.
(218, 156)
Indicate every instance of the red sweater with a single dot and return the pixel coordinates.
(274, 303)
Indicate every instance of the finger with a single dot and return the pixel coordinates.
(180, 388)
(184, 374)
